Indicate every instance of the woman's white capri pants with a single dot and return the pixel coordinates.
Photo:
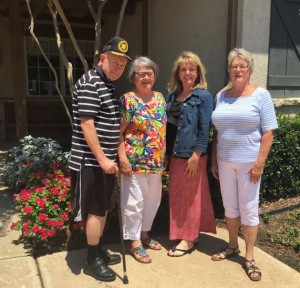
(140, 199)
(240, 197)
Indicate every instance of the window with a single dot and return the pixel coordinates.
(41, 80)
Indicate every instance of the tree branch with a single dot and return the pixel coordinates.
(39, 7)
(60, 46)
(121, 16)
(98, 30)
(31, 27)
(92, 10)
(70, 32)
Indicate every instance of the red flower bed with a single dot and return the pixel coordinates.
(45, 210)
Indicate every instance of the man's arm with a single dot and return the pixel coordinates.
(90, 135)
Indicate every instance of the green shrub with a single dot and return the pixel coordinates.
(281, 177)
(33, 155)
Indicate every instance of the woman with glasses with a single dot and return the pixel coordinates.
(189, 108)
(141, 155)
(244, 120)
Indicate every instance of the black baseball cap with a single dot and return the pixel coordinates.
(117, 46)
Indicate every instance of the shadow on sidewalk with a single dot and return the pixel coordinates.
(7, 208)
(76, 260)
(208, 244)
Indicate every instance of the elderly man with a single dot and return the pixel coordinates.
(94, 151)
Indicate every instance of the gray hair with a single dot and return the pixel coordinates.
(141, 62)
(241, 53)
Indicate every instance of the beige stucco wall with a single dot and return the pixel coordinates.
(253, 32)
(196, 25)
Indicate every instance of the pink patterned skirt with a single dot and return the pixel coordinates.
(191, 210)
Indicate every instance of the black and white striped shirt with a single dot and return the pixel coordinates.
(94, 96)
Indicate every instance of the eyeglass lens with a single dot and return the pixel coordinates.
(143, 74)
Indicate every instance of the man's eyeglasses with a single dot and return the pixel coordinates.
(143, 74)
(242, 67)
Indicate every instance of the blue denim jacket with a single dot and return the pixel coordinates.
(194, 123)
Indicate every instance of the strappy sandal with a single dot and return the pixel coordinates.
(140, 254)
(252, 270)
(152, 244)
(181, 252)
(226, 253)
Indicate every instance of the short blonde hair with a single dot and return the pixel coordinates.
(187, 57)
(241, 53)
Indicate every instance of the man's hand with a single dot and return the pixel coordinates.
(108, 166)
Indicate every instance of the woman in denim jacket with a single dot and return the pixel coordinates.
(189, 108)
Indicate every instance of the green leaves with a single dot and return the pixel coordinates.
(281, 177)
(33, 155)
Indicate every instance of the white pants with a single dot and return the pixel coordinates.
(240, 197)
(140, 199)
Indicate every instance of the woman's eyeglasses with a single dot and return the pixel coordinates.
(143, 74)
(242, 67)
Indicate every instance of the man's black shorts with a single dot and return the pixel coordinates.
(92, 192)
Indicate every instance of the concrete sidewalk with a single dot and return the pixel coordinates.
(64, 269)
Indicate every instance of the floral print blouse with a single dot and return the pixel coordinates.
(145, 134)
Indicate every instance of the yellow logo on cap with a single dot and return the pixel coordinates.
(123, 46)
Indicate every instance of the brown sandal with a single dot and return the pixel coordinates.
(152, 244)
(252, 269)
(140, 254)
(225, 253)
